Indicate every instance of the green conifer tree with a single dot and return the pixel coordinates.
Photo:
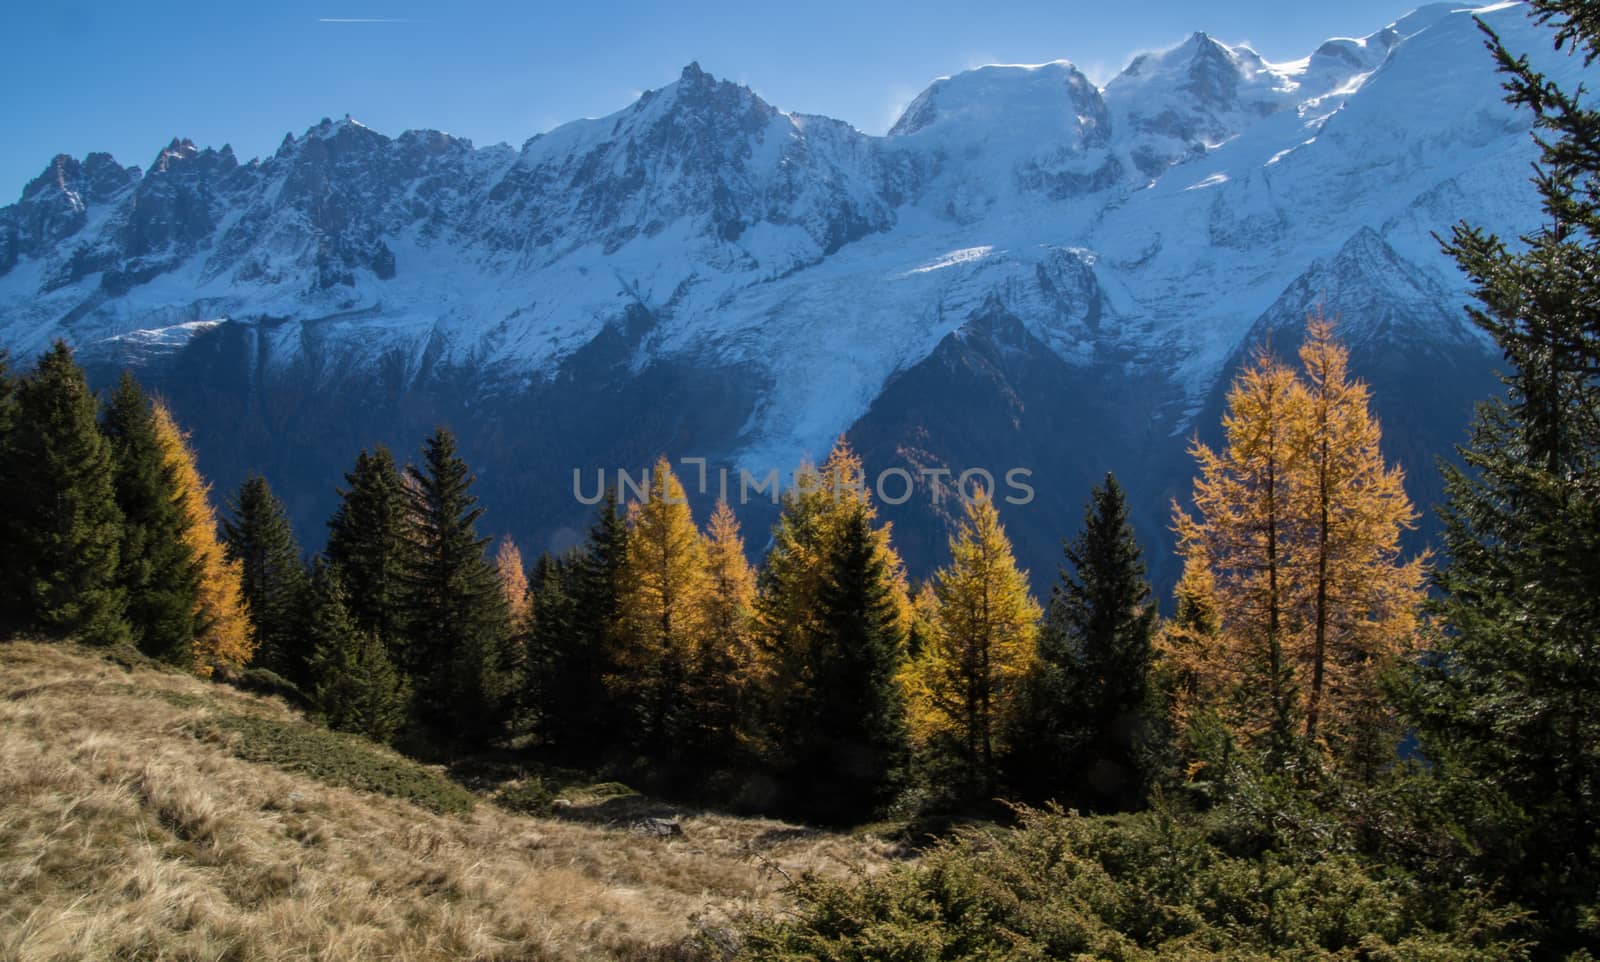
(62, 529)
(1089, 714)
(354, 684)
(577, 612)
(367, 543)
(257, 535)
(8, 393)
(157, 570)
(1507, 705)
(8, 397)
(548, 695)
(11, 609)
(457, 619)
(844, 739)
(790, 637)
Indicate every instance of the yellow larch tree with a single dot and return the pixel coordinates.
(1300, 599)
(1357, 600)
(223, 635)
(1190, 646)
(1242, 532)
(726, 670)
(964, 682)
(661, 603)
(730, 597)
(513, 579)
(924, 615)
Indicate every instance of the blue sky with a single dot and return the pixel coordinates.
(127, 77)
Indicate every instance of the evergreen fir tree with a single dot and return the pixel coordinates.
(1507, 706)
(10, 595)
(157, 570)
(577, 613)
(795, 642)
(354, 684)
(259, 538)
(62, 528)
(560, 688)
(1089, 709)
(368, 542)
(844, 748)
(8, 395)
(816, 510)
(457, 620)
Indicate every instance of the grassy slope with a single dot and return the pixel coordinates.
(132, 826)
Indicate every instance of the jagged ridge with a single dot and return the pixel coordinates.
(1144, 231)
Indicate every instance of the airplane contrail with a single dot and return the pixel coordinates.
(366, 20)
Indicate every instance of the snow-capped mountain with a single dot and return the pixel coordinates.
(1027, 270)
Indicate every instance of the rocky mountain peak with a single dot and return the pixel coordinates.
(176, 152)
(1213, 74)
(78, 184)
(1372, 293)
(55, 205)
(692, 74)
(59, 175)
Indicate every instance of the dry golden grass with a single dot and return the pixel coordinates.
(125, 836)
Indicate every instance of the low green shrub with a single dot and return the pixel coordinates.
(529, 796)
(260, 681)
(338, 759)
(1145, 888)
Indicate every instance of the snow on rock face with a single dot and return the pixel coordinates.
(1147, 224)
(180, 202)
(1052, 103)
(1177, 105)
(1373, 294)
(701, 149)
(1195, 95)
(55, 205)
(996, 132)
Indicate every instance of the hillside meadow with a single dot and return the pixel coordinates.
(131, 828)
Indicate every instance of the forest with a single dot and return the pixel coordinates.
(1325, 749)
